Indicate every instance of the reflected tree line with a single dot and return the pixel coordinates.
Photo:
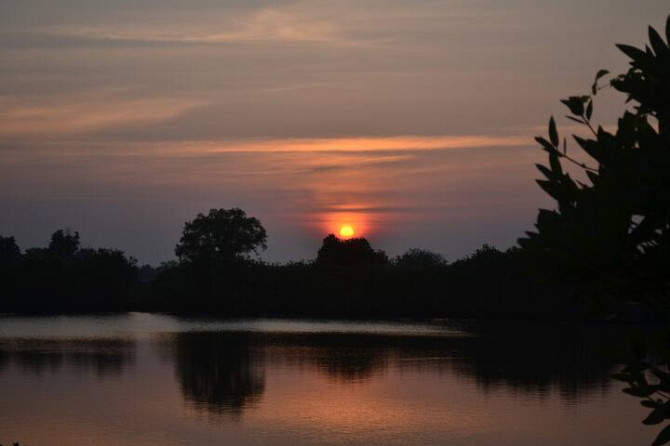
(219, 373)
(224, 373)
(102, 357)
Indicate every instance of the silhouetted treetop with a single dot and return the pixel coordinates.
(419, 258)
(354, 251)
(64, 243)
(223, 233)
(9, 250)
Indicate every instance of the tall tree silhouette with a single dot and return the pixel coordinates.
(223, 233)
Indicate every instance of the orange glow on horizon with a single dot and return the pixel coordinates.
(346, 231)
(345, 224)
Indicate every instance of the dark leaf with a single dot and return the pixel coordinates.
(657, 43)
(546, 145)
(658, 415)
(575, 104)
(553, 134)
(545, 171)
(652, 404)
(663, 437)
(555, 164)
(601, 73)
(552, 189)
(621, 377)
(589, 110)
(581, 141)
(660, 374)
(632, 52)
(640, 392)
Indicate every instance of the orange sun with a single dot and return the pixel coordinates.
(346, 231)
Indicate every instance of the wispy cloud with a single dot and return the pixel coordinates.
(260, 26)
(83, 113)
(325, 145)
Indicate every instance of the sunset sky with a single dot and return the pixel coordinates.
(411, 121)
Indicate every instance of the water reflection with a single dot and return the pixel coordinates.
(345, 358)
(478, 385)
(222, 373)
(4, 360)
(102, 357)
(571, 361)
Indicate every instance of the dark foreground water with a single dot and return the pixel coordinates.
(142, 379)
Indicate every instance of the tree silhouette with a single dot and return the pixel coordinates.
(221, 234)
(611, 235)
(64, 243)
(9, 250)
(419, 258)
(354, 251)
(64, 277)
(614, 231)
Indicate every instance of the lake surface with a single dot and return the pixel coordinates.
(146, 379)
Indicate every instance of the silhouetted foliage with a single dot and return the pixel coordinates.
(64, 244)
(354, 251)
(221, 234)
(610, 236)
(419, 258)
(349, 279)
(489, 284)
(147, 273)
(64, 277)
(9, 250)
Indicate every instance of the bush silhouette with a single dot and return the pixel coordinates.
(610, 235)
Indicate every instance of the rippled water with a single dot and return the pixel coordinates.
(147, 379)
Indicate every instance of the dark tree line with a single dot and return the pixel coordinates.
(217, 275)
(64, 277)
(348, 278)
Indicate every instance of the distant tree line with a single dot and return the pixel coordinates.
(216, 273)
(64, 277)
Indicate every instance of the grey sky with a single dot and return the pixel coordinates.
(412, 120)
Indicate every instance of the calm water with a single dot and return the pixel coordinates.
(145, 379)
